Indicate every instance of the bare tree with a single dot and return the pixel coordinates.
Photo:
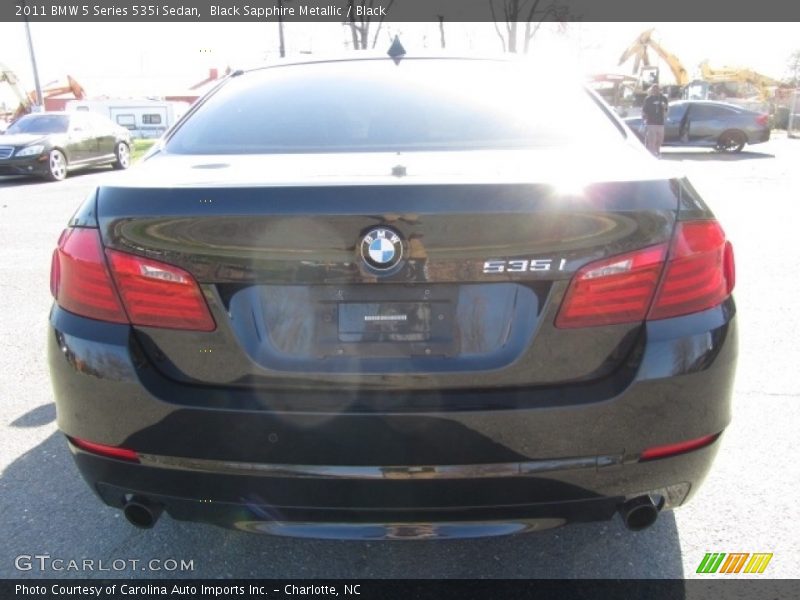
(359, 25)
(530, 12)
(281, 40)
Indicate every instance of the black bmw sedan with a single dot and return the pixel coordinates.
(394, 298)
(51, 144)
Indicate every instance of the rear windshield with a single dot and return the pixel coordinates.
(40, 124)
(375, 105)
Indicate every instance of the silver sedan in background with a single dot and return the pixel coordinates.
(724, 127)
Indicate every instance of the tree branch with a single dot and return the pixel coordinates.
(532, 11)
(352, 23)
(496, 27)
(380, 23)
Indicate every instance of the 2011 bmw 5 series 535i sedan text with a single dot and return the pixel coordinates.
(394, 298)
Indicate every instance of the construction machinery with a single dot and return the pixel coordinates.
(647, 71)
(735, 85)
(616, 89)
(71, 87)
(29, 100)
(626, 93)
(8, 76)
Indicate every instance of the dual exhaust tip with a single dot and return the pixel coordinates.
(637, 514)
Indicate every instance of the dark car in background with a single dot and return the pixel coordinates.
(394, 298)
(51, 144)
(724, 127)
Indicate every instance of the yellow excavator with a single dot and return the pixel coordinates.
(26, 101)
(646, 70)
(733, 84)
(25, 104)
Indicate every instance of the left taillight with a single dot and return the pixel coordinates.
(79, 278)
(762, 119)
(156, 294)
(133, 290)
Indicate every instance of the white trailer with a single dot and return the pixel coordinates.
(143, 118)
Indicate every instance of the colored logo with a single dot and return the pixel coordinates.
(381, 248)
(732, 563)
(381, 251)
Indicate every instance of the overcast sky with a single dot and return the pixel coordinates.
(91, 52)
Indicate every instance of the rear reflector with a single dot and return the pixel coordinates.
(159, 295)
(103, 450)
(79, 279)
(679, 448)
(698, 274)
(135, 290)
(615, 290)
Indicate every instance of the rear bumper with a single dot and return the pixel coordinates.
(760, 136)
(353, 508)
(479, 463)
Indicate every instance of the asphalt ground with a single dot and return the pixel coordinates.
(748, 503)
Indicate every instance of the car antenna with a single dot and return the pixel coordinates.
(396, 50)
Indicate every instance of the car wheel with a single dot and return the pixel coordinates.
(57, 164)
(731, 141)
(123, 153)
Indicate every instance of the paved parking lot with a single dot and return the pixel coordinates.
(748, 503)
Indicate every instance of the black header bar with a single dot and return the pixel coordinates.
(144, 11)
(405, 589)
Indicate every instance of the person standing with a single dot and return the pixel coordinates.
(654, 111)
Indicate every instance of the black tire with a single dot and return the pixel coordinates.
(731, 141)
(57, 165)
(123, 154)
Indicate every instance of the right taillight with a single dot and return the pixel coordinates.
(614, 290)
(133, 290)
(698, 274)
(700, 271)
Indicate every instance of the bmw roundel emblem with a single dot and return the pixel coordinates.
(381, 248)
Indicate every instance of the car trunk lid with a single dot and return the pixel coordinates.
(277, 244)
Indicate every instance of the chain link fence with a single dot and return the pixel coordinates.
(793, 127)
